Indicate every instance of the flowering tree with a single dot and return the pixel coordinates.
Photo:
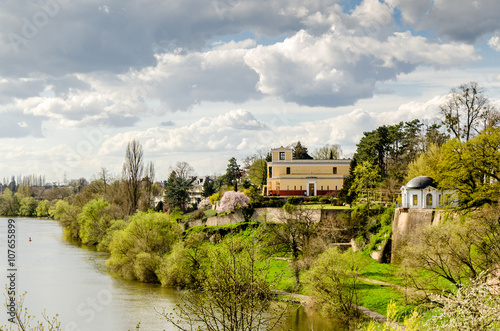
(474, 307)
(204, 203)
(232, 200)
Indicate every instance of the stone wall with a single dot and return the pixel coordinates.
(406, 223)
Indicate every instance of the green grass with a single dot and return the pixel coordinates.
(281, 275)
(383, 272)
(325, 206)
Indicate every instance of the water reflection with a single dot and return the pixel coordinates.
(74, 282)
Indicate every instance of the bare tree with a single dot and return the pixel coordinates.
(327, 152)
(234, 293)
(133, 168)
(149, 182)
(468, 111)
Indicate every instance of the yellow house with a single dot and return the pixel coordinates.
(288, 177)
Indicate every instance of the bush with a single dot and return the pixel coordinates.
(214, 198)
(334, 282)
(294, 200)
(152, 233)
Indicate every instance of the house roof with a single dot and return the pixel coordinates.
(421, 182)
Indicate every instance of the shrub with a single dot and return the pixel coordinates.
(214, 198)
(294, 200)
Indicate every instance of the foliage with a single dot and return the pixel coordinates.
(214, 198)
(366, 177)
(411, 323)
(232, 200)
(94, 221)
(233, 173)
(24, 321)
(181, 266)
(457, 249)
(293, 234)
(178, 186)
(28, 207)
(234, 293)
(300, 152)
(42, 210)
(425, 164)
(391, 148)
(474, 307)
(256, 167)
(333, 280)
(136, 250)
(208, 187)
(385, 231)
(9, 204)
(471, 168)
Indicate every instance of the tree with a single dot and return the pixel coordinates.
(473, 307)
(208, 187)
(136, 250)
(233, 173)
(232, 200)
(472, 168)
(178, 186)
(457, 250)
(468, 111)
(28, 207)
(256, 167)
(133, 168)
(366, 178)
(327, 152)
(234, 294)
(150, 188)
(294, 232)
(42, 210)
(94, 221)
(300, 152)
(425, 164)
(334, 282)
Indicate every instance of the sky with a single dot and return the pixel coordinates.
(202, 81)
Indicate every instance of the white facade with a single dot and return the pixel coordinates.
(421, 192)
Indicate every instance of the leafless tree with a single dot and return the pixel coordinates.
(133, 169)
(468, 111)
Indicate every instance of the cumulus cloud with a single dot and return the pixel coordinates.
(459, 20)
(338, 69)
(494, 42)
(223, 132)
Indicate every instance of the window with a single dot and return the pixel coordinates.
(429, 200)
(327, 187)
(271, 172)
(321, 187)
(287, 188)
(295, 188)
(334, 170)
(301, 187)
(415, 199)
(288, 170)
(282, 155)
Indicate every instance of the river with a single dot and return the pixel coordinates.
(72, 281)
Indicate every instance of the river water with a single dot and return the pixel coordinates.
(72, 281)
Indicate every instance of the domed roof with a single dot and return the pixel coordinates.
(421, 182)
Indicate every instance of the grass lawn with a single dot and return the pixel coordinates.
(325, 206)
